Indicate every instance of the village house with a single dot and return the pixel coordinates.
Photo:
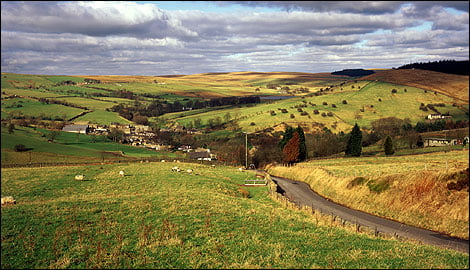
(83, 129)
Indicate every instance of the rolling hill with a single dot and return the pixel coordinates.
(455, 86)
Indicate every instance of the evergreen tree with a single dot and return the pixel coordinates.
(420, 142)
(388, 146)
(287, 136)
(302, 145)
(354, 146)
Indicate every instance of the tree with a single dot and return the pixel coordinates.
(291, 150)
(354, 146)
(302, 145)
(140, 119)
(287, 136)
(388, 146)
(11, 127)
(53, 135)
(420, 142)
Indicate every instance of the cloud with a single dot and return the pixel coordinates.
(142, 39)
(91, 19)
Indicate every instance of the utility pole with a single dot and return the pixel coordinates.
(246, 150)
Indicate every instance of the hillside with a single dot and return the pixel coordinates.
(455, 86)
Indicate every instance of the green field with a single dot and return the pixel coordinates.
(69, 146)
(31, 107)
(103, 118)
(401, 105)
(155, 218)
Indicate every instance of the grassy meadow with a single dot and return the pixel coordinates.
(410, 189)
(155, 218)
(68, 147)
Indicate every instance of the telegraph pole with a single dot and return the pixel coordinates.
(246, 150)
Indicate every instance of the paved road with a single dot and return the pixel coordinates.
(301, 193)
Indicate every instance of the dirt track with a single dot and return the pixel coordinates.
(301, 194)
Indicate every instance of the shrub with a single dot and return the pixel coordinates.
(273, 113)
(405, 90)
(304, 113)
(388, 146)
(323, 114)
(356, 181)
(380, 99)
(394, 91)
(292, 115)
(299, 110)
(19, 148)
(316, 112)
(377, 186)
(330, 114)
(284, 111)
(325, 103)
(333, 105)
(252, 124)
(345, 102)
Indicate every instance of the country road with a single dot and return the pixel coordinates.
(301, 194)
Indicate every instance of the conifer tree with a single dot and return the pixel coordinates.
(302, 145)
(388, 146)
(287, 136)
(354, 146)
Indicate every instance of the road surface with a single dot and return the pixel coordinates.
(301, 194)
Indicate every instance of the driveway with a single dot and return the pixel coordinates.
(301, 194)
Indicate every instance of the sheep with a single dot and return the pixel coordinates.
(240, 169)
(121, 173)
(175, 169)
(163, 160)
(79, 177)
(8, 200)
(189, 170)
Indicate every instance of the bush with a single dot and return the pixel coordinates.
(316, 112)
(380, 99)
(292, 116)
(284, 111)
(356, 181)
(252, 124)
(377, 187)
(304, 113)
(345, 102)
(325, 103)
(394, 91)
(333, 105)
(330, 114)
(19, 148)
(323, 114)
(388, 146)
(273, 113)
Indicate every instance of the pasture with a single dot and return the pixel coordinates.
(67, 147)
(411, 189)
(155, 218)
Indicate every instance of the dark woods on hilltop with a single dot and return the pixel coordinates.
(445, 66)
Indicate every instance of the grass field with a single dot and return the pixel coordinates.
(32, 107)
(155, 218)
(67, 146)
(344, 116)
(411, 189)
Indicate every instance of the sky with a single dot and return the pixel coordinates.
(169, 37)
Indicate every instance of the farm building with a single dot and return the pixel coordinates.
(76, 128)
(204, 155)
(439, 142)
(437, 116)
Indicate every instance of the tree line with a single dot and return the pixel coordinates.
(157, 107)
(445, 66)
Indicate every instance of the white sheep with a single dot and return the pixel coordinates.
(163, 160)
(8, 200)
(175, 169)
(240, 169)
(121, 173)
(189, 170)
(79, 177)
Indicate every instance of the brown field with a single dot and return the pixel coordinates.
(455, 86)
